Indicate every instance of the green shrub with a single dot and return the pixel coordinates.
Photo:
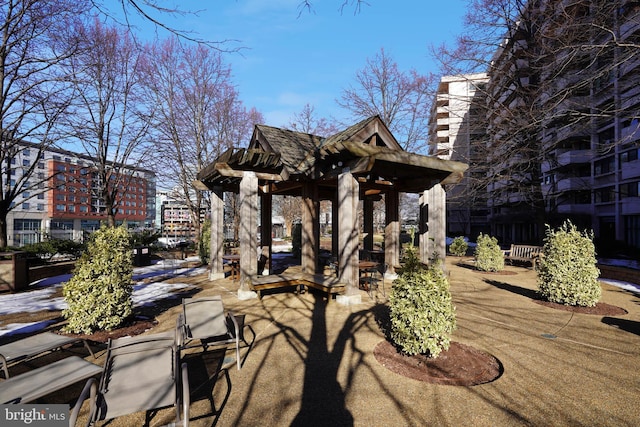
(567, 273)
(488, 255)
(421, 310)
(204, 249)
(98, 294)
(46, 249)
(459, 246)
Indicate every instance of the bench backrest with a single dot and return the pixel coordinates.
(525, 251)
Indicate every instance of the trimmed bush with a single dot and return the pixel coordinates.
(567, 273)
(98, 294)
(421, 310)
(459, 246)
(488, 255)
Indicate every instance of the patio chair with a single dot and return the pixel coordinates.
(140, 374)
(204, 320)
(39, 382)
(35, 345)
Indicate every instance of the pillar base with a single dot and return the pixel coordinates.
(245, 295)
(349, 299)
(216, 276)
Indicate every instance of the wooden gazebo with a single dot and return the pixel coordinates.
(361, 162)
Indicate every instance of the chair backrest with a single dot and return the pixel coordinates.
(204, 317)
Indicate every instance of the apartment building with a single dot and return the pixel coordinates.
(173, 216)
(563, 128)
(457, 131)
(67, 206)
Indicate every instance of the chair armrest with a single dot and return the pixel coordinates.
(90, 388)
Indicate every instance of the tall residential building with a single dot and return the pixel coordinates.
(67, 206)
(562, 122)
(457, 131)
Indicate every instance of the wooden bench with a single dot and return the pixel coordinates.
(327, 284)
(523, 253)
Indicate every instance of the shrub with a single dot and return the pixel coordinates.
(204, 250)
(488, 255)
(47, 249)
(98, 294)
(459, 246)
(422, 313)
(567, 273)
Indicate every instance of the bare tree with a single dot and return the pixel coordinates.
(306, 121)
(109, 118)
(35, 47)
(401, 99)
(199, 115)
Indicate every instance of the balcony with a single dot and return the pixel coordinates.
(630, 206)
(575, 209)
(574, 157)
(573, 184)
(631, 169)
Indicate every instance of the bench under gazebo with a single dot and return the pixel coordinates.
(363, 162)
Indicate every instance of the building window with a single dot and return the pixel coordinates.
(604, 166)
(26, 225)
(25, 206)
(605, 195)
(40, 206)
(60, 208)
(629, 189)
(71, 208)
(84, 209)
(25, 162)
(40, 196)
(40, 165)
(26, 152)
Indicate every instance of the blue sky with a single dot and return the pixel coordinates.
(290, 59)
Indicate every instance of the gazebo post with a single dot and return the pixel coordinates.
(248, 231)
(216, 244)
(367, 207)
(392, 233)
(433, 239)
(266, 228)
(310, 228)
(348, 233)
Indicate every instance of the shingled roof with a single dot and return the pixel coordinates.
(367, 148)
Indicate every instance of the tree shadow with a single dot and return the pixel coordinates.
(529, 293)
(323, 400)
(626, 325)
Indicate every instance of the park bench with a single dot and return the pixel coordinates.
(327, 284)
(523, 253)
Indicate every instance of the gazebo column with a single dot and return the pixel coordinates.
(348, 231)
(367, 207)
(310, 228)
(335, 224)
(392, 232)
(216, 245)
(266, 229)
(248, 229)
(434, 233)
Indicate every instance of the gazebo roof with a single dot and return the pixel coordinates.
(284, 158)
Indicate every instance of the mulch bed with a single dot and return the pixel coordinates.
(459, 365)
(129, 329)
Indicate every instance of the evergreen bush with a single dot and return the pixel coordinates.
(459, 246)
(488, 255)
(567, 273)
(99, 292)
(421, 310)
